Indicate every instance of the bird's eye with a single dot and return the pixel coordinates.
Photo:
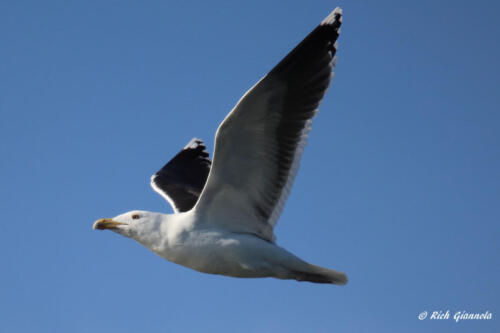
(135, 216)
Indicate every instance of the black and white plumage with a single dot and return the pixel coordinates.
(259, 144)
(226, 211)
(182, 179)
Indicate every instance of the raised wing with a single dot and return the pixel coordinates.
(259, 144)
(182, 179)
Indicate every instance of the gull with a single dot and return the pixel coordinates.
(225, 210)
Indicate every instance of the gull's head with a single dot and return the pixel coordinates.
(131, 224)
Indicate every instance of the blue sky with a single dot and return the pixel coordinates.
(399, 185)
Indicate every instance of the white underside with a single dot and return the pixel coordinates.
(190, 243)
(186, 239)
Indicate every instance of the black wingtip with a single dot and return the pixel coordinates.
(333, 17)
(195, 143)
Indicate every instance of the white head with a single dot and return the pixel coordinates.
(145, 227)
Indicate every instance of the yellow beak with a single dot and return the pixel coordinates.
(103, 224)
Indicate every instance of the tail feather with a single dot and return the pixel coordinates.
(319, 274)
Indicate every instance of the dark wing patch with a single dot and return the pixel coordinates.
(182, 179)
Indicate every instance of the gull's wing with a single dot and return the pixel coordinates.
(259, 144)
(182, 179)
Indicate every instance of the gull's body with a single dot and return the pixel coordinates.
(179, 238)
(226, 210)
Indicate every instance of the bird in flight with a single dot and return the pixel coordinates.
(225, 210)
